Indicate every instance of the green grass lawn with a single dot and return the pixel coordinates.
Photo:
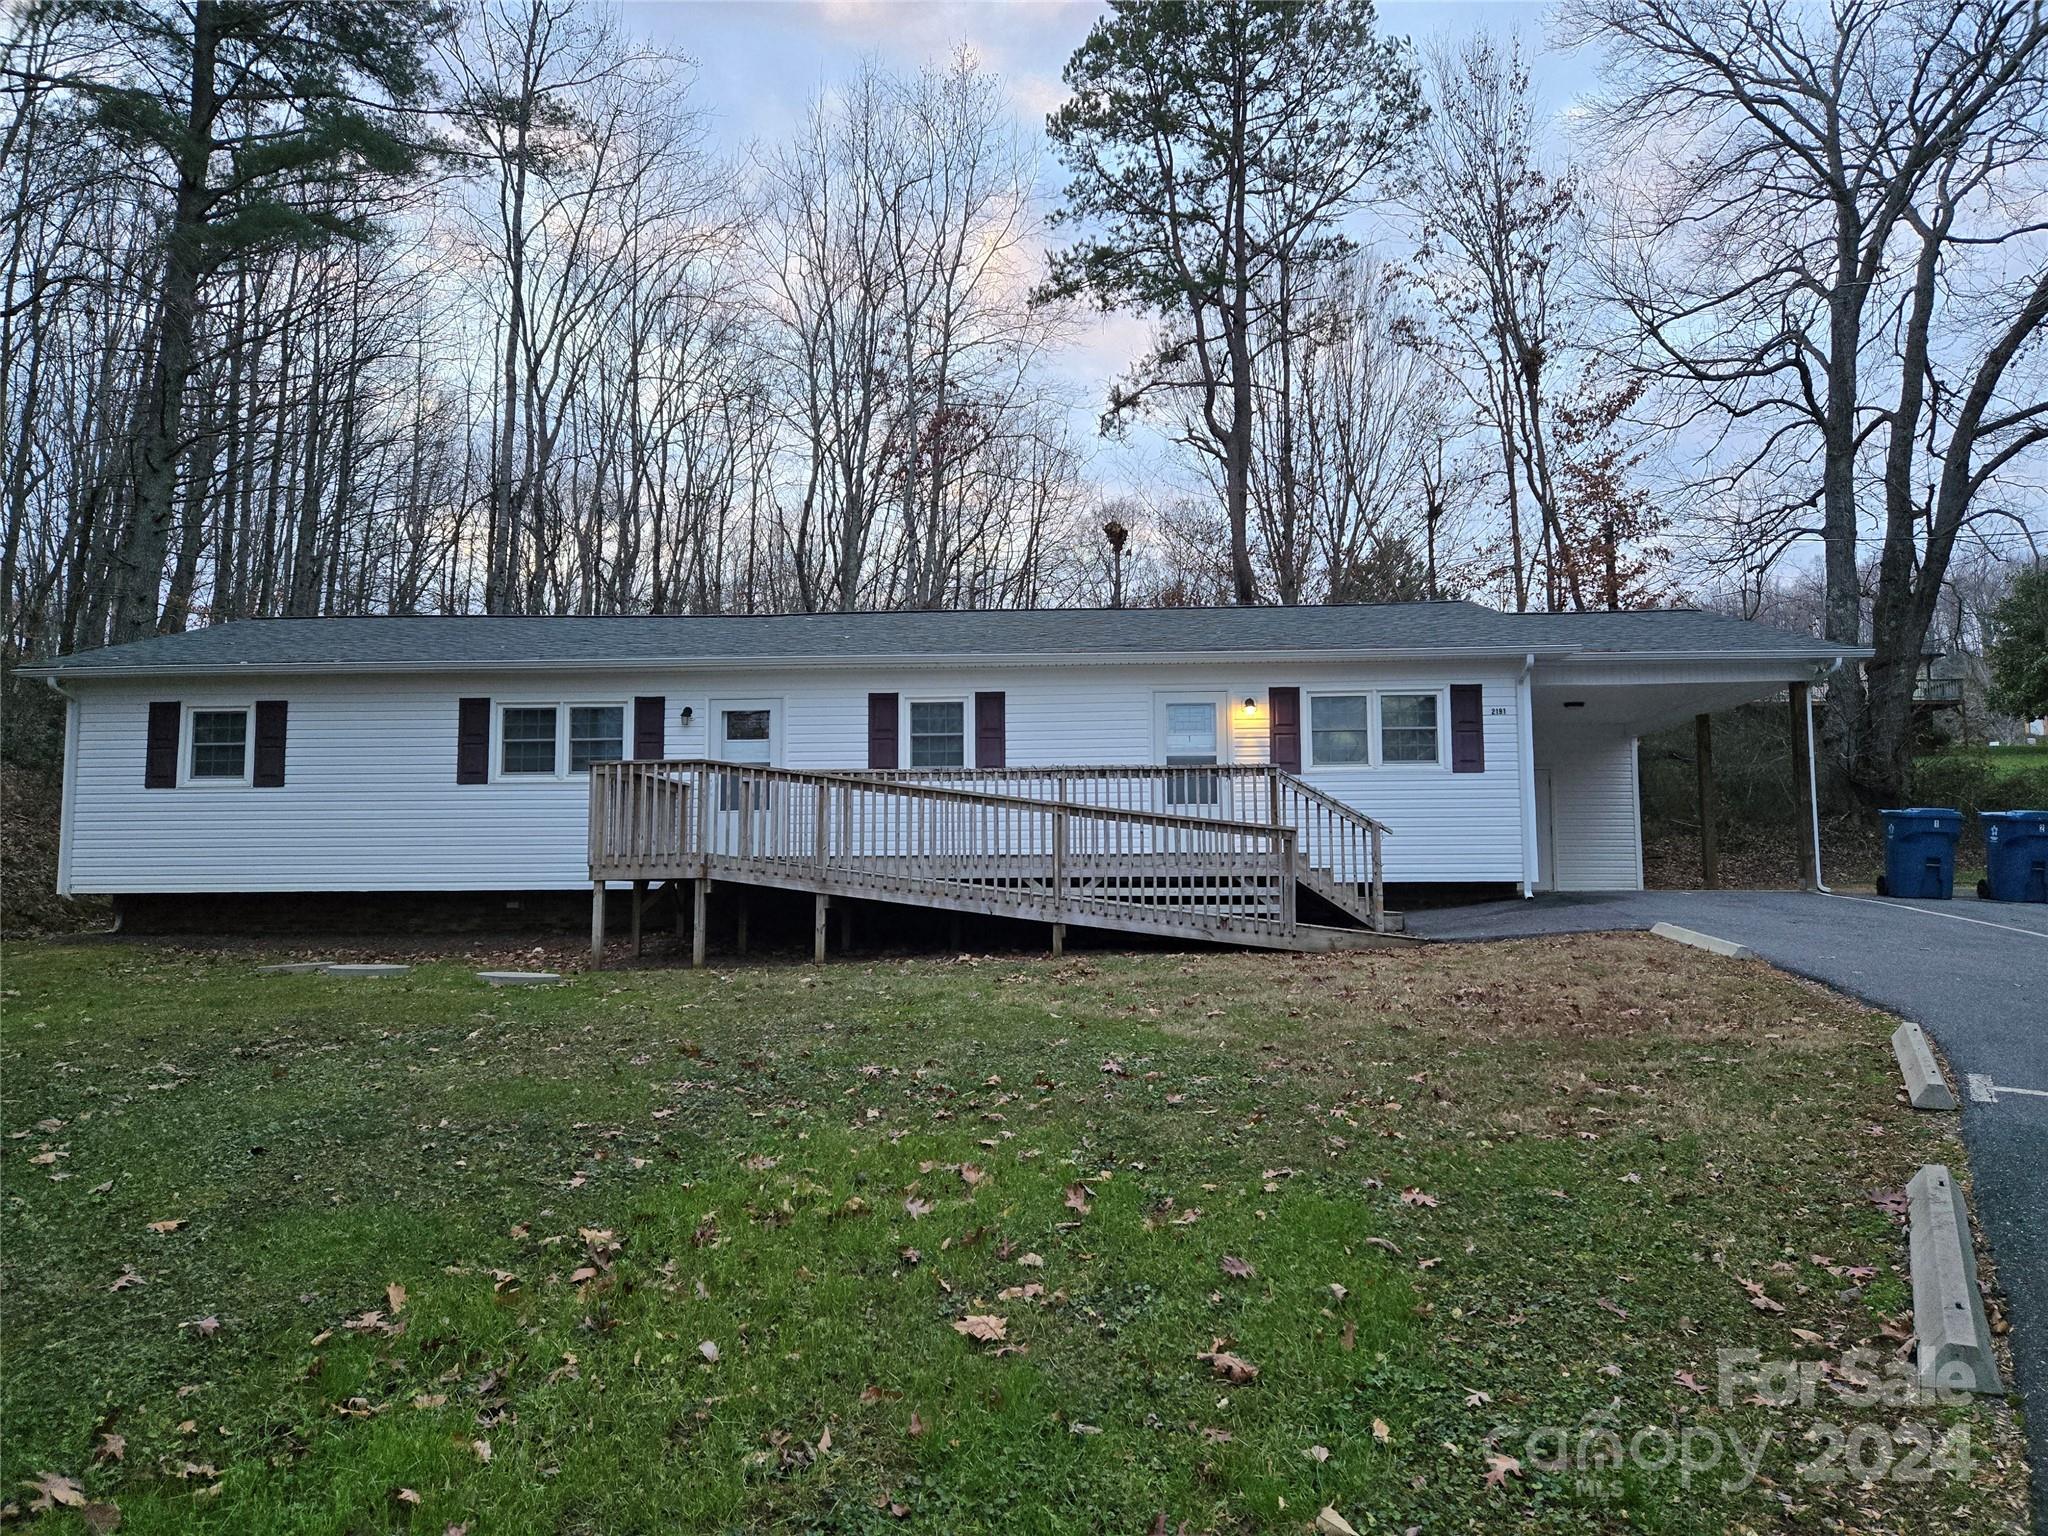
(671, 1251)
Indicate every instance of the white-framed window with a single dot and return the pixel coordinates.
(938, 733)
(556, 740)
(1340, 730)
(1411, 728)
(597, 734)
(216, 747)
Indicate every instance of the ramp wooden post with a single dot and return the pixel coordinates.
(639, 897)
(1710, 809)
(1059, 872)
(818, 930)
(1802, 784)
(596, 923)
(698, 902)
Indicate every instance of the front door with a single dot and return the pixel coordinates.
(743, 732)
(1190, 733)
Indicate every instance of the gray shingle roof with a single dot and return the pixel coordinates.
(378, 644)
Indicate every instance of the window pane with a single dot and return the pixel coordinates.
(1408, 746)
(220, 739)
(528, 738)
(1408, 709)
(746, 725)
(1191, 732)
(1340, 726)
(597, 734)
(1408, 728)
(938, 735)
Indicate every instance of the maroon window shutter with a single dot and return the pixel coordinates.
(1468, 733)
(1283, 731)
(650, 736)
(160, 758)
(473, 741)
(881, 730)
(991, 730)
(270, 729)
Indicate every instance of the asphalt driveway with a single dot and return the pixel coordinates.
(1973, 973)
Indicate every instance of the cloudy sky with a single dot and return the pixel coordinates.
(759, 62)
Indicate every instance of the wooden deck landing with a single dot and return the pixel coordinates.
(1209, 854)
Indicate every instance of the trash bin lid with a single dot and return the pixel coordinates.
(1921, 811)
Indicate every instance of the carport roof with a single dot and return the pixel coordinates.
(421, 643)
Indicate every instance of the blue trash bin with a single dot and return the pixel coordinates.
(1920, 853)
(2015, 856)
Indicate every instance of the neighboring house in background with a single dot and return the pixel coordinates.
(453, 754)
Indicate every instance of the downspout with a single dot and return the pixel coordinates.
(1813, 782)
(68, 792)
(1525, 707)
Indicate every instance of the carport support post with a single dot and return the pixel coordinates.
(1710, 807)
(1802, 784)
(596, 923)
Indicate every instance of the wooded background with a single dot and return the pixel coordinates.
(391, 306)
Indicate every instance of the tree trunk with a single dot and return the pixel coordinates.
(160, 412)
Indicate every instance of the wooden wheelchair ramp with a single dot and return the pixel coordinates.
(1106, 848)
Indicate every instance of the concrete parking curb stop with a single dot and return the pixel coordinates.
(296, 968)
(1706, 941)
(1926, 1088)
(1948, 1314)
(366, 970)
(518, 978)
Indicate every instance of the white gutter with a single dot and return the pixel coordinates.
(1813, 784)
(1525, 744)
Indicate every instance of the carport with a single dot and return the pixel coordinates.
(1588, 714)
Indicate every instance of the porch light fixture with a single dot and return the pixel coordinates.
(688, 714)
(1251, 706)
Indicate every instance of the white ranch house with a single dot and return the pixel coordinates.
(1181, 770)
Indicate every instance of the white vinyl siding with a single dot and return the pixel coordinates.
(372, 802)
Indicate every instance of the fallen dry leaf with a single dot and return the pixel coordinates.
(709, 1350)
(985, 1326)
(1417, 1197)
(1235, 1268)
(395, 1294)
(170, 1224)
(481, 1449)
(1380, 1432)
(1330, 1523)
(1500, 1468)
(1231, 1367)
(53, 1488)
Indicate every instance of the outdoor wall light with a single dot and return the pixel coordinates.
(1251, 706)
(688, 714)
